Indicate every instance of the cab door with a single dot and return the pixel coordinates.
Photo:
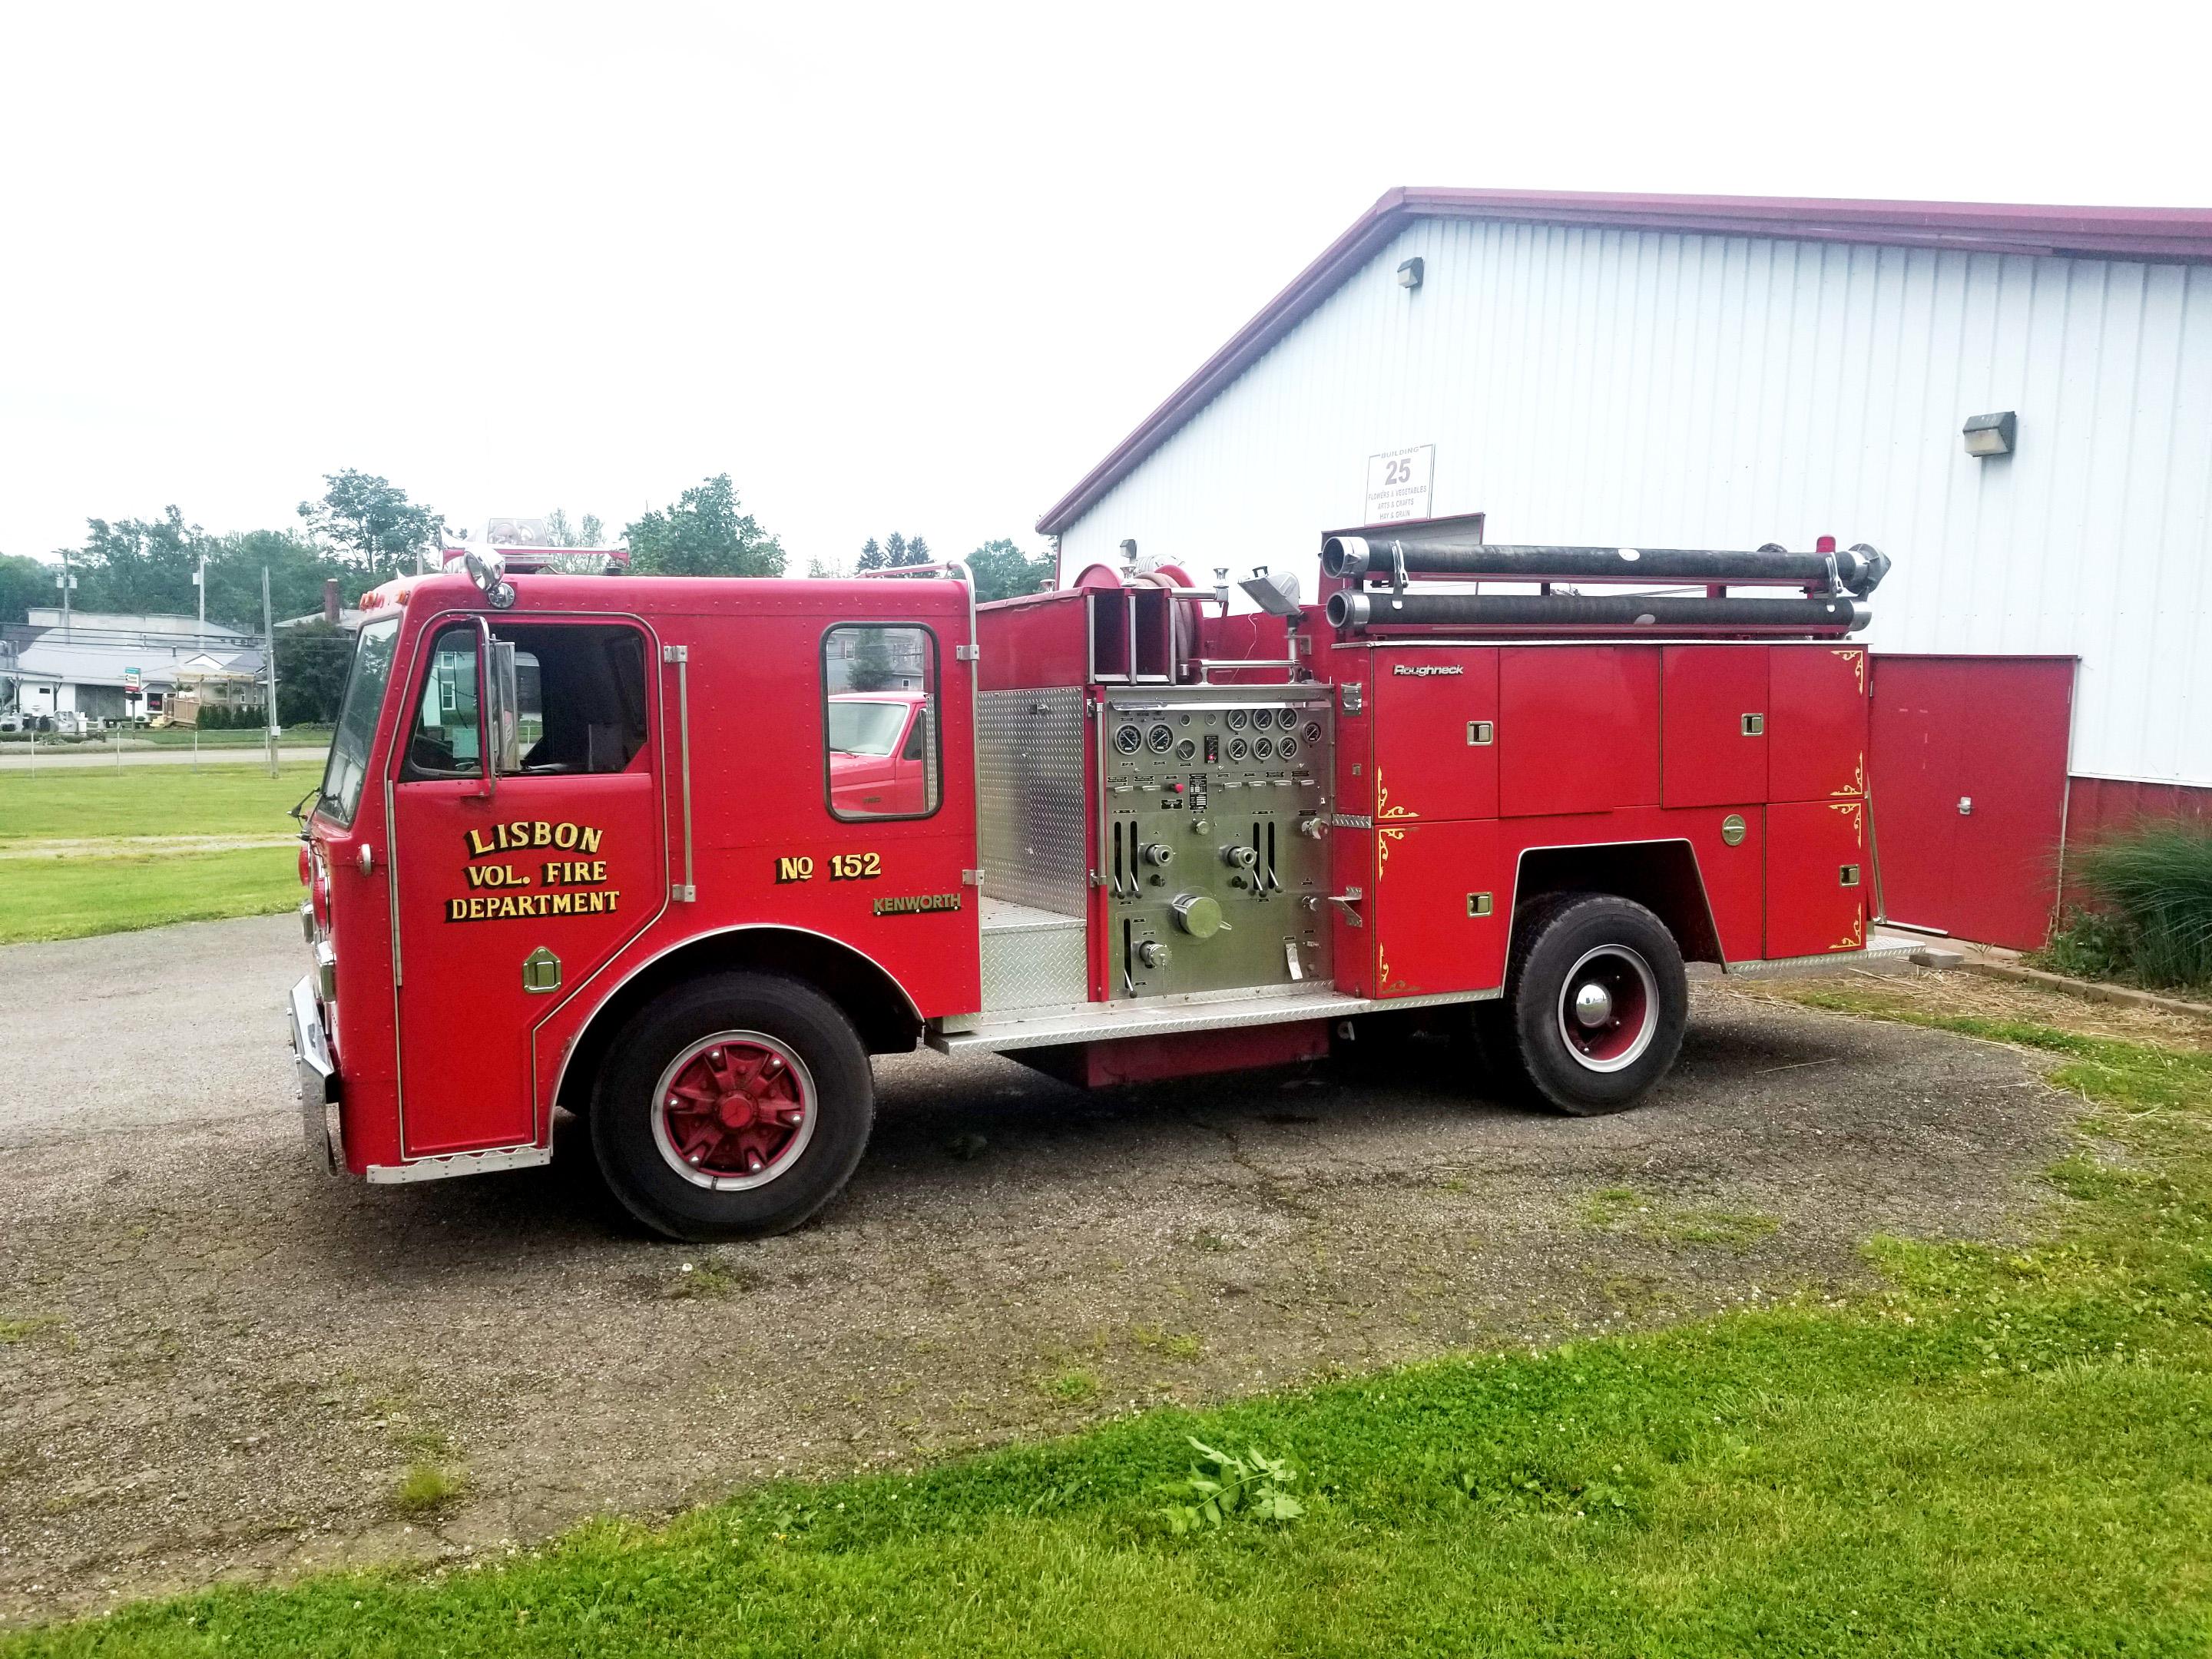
(513, 887)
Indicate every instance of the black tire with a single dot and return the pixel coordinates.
(779, 1021)
(1537, 1043)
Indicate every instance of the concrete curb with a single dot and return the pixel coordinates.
(2088, 990)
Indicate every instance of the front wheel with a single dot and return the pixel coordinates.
(1595, 1007)
(734, 1107)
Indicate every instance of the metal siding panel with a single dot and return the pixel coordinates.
(1582, 384)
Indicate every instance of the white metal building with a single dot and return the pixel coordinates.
(1719, 372)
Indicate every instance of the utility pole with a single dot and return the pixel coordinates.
(199, 580)
(66, 582)
(269, 659)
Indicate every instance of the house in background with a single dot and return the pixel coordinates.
(113, 666)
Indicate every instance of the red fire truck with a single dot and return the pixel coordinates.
(677, 856)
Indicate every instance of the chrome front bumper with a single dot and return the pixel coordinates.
(318, 1078)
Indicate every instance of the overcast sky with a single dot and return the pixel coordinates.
(916, 268)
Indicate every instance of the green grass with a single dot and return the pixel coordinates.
(77, 897)
(180, 736)
(2000, 1451)
(237, 798)
(87, 891)
(426, 1488)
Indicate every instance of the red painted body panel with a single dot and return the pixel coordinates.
(1577, 728)
(1425, 701)
(464, 1018)
(1818, 703)
(1188, 1054)
(1035, 640)
(1352, 943)
(1428, 939)
(1708, 759)
(1992, 730)
(1817, 877)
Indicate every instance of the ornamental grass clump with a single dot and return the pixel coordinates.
(2157, 883)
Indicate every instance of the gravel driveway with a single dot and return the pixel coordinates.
(217, 1364)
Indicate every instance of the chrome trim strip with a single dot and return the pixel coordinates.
(1827, 961)
(446, 1165)
(1352, 821)
(681, 655)
(1102, 1021)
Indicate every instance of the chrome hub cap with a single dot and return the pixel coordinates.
(734, 1110)
(1609, 1008)
(1593, 1005)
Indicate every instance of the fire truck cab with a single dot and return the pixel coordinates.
(677, 856)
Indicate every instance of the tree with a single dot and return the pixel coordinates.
(297, 569)
(894, 553)
(704, 534)
(313, 661)
(1002, 570)
(586, 531)
(24, 583)
(871, 665)
(145, 566)
(139, 566)
(372, 525)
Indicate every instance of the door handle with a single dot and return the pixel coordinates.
(1965, 806)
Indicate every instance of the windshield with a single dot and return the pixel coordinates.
(356, 728)
(866, 728)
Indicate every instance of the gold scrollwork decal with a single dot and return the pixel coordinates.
(1384, 813)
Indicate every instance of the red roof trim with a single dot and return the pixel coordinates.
(2122, 233)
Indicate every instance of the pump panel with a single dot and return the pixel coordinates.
(1214, 843)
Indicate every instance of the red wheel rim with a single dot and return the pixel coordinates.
(1609, 1008)
(734, 1110)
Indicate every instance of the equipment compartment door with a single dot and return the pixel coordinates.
(1713, 725)
(1969, 758)
(1436, 730)
(507, 902)
(1442, 900)
(1816, 725)
(1577, 728)
(1817, 878)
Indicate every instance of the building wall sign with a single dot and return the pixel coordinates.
(1398, 485)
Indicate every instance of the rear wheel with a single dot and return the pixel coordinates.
(732, 1108)
(1595, 1007)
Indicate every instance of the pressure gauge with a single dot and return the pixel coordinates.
(1128, 740)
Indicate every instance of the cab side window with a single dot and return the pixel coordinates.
(879, 721)
(580, 692)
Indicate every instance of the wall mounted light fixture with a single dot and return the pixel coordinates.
(1990, 434)
(1409, 273)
